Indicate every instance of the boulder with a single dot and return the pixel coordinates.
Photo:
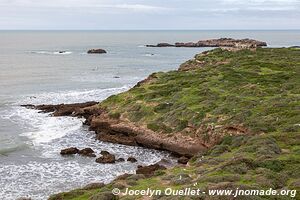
(106, 158)
(183, 160)
(132, 159)
(87, 152)
(69, 151)
(93, 186)
(120, 160)
(149, 170)
(96, 51)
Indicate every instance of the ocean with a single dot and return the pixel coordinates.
(32, 71)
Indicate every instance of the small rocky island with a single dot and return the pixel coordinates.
(222, 42)
(96, 51)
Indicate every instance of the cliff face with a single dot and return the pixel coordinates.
(236, 112)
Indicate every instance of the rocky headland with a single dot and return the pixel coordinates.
(222, 42)
(232, 116)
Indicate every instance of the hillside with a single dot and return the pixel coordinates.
(235, 112)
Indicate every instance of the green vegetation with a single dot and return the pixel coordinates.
(258, 90)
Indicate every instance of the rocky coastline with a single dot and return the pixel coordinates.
(222, 42)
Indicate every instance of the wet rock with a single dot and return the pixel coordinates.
(93, 186)
(69, 151)
(149, 170)
(24, 198)
(103, 153)
(96, 51)
(132, 159)
(87, 152)
(166, 163)
(183, 160)
(120, 160)
(106, 158)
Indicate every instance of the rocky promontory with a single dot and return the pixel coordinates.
(222, 42)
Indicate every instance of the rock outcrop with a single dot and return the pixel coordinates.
(96, 51)
(106, 158)
(69, 151)
(222, 42)
(149, 170)
(87, 152)
(161, 45)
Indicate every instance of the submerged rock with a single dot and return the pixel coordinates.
(96, 51)
(69, 151)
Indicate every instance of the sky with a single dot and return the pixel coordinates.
(149, 14)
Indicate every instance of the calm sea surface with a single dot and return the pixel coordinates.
(33, 71)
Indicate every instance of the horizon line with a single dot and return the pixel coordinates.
(149, 29)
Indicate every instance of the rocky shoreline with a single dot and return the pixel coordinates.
(110, 129)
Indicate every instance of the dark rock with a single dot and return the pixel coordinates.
(106, 158)
(24, 198)
(62, 52)
(93, 186)
(123, 176)
(166, 163)
(103, 153)
(116, 77)
(120, 160)
(132, 159)
(69, 151)
(183, 160)
(87, 152)
(149, 170)
(161, 45)
(96, 51)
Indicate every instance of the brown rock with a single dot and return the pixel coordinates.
(183, 160)
(96, 51)
(69, 151)
(93, 186)
(87, 152)
(149, 170)
(120, 160)
(106, 158)
(132, 159)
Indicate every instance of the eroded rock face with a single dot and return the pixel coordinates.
(96, 51)
(69, 151)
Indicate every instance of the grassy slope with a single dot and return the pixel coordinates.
(259, 90)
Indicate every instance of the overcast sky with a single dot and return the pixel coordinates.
(149, 14)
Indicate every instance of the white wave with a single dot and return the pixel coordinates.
(71, 96)
(53, 52)
(149, 54)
